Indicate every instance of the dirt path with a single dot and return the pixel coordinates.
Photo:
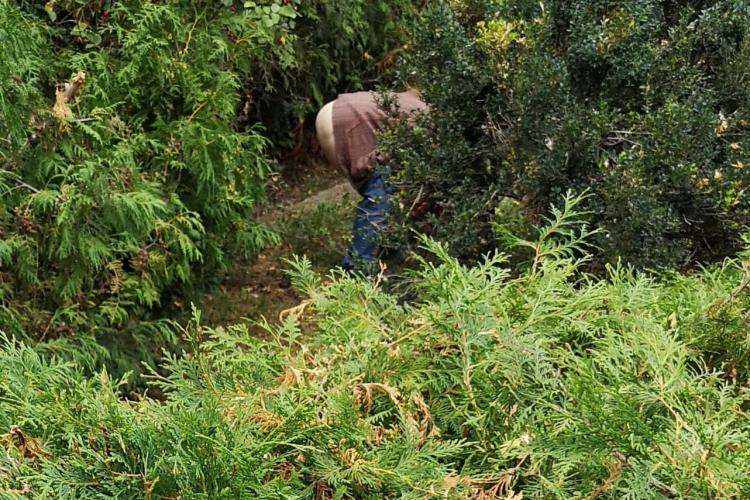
(309, 208)
(332, 194)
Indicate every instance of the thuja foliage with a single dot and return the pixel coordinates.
(122, 186)
(551, 384)
(644, 103)
(131, 155)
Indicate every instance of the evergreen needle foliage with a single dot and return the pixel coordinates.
(123, 176)
(552, 384)
(132, 152)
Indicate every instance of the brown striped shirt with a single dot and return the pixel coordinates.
(356, 118)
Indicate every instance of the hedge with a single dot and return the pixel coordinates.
(643, 103)
(551, 384)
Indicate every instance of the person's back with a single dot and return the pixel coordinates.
(347, 133)
(346, 129)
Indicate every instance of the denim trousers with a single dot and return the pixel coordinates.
(369, 221)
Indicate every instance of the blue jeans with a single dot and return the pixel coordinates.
(369, 221)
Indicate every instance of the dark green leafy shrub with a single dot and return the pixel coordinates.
(640, 102)
(554, 384)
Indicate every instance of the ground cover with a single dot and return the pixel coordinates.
(310, 206)
(552, 384)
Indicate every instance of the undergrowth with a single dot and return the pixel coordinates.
(551, 384)
(322, 233)
(643, 103)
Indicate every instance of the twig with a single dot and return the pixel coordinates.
(381, 274)
(190, 35)
(729, 299)
(296, 311)
(407, 335)
(486, 204)
(63, 95)
(197, 110)
(416, 200)
(614, 141)
(22, 184)
(72, 88)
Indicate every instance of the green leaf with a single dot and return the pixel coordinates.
(95, 38)
(287, 11)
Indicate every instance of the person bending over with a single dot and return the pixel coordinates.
(346, 130)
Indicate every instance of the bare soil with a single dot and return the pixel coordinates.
(261, 289)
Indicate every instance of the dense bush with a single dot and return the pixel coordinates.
(119, 193)
(552, 384)
(131, 157)
(343, 45)
(645, 103)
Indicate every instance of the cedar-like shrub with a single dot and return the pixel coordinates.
(644, 103)
(133, 151)
(130, 179)
(552, 384)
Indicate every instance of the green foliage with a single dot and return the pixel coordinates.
(643, 103)
(322, 233)
(141, 181)
(20, 67)
(136, 182)
(554, 384)
(335, 46)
